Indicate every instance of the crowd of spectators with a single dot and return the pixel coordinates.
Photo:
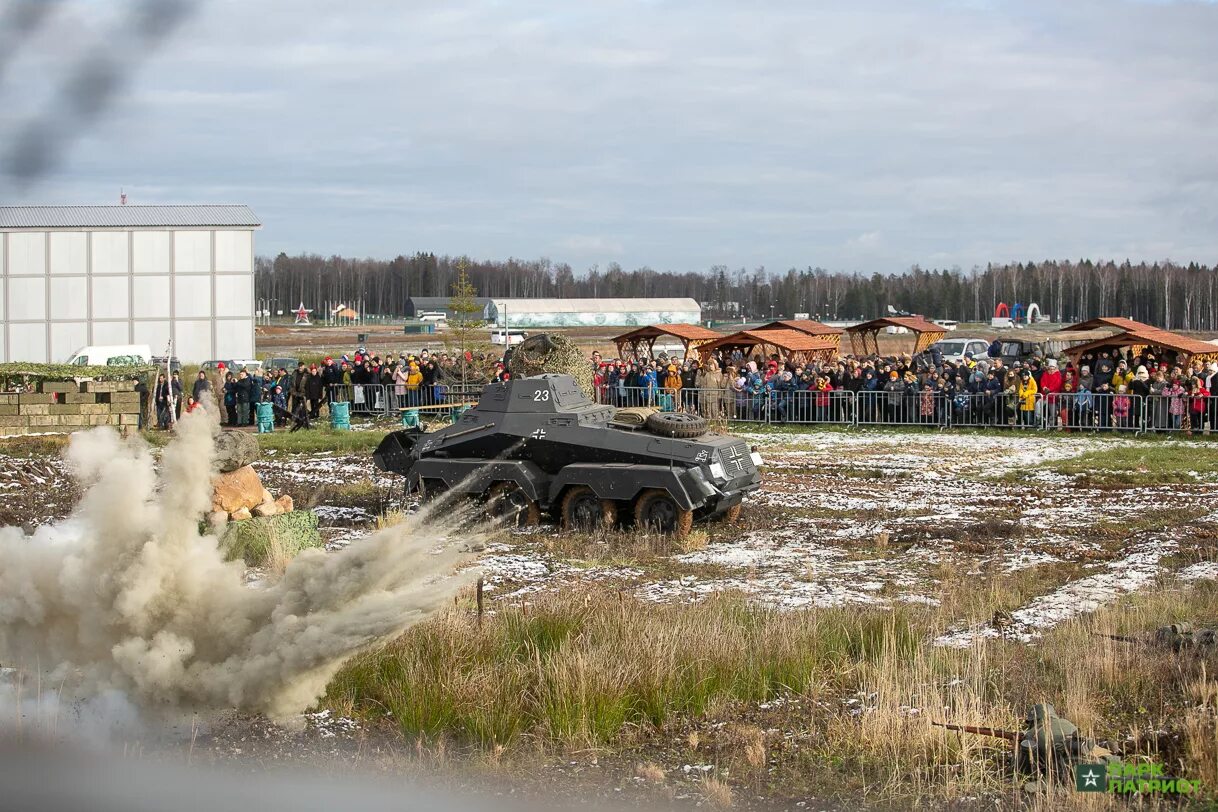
(1108, 390)
(1102, 391)
(368, 382)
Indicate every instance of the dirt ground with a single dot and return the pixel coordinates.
(875, 518)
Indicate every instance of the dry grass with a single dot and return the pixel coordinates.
(717, 793)
(650, 772)
(279, 553)
(852, 690)
(389, 519)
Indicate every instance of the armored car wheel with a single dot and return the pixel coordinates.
(732, 514)
(682, 425)
(583, 510)
(431, 490)
(656, 510)
(511, 506)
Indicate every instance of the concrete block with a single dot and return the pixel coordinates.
(8, 421)
(9, 410)
(43, 420)
(109, 386)
(34, 408)
(65, 408)
(94, 408)
(61, 387)
(35, 398)
(80, 397)
(119, 397)
(8, 399)
(75, 420)
(127, 419)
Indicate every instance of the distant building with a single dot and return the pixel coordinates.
(72, 276)
(417, 305)
(604, 312)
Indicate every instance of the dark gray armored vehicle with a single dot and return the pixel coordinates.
(539, 445)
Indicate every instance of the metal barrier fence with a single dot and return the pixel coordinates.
(1064, 411)
(386, 400)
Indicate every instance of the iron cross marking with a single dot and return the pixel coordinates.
(540, 434)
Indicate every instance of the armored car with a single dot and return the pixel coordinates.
(539, 445)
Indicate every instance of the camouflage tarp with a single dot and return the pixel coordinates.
(548, 352)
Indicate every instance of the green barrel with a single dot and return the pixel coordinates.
(266, 418)
(410, 418)
(340, 416)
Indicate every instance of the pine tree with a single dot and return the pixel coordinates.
(465, 329)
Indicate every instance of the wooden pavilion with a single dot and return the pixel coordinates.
(790, 344)
(864, 338)
(1162, 342)
(641, 342)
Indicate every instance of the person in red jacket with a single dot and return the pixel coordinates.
(1051, 383)
(1198, 395)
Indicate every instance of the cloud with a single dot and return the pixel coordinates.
(692, 133)
(586, 244)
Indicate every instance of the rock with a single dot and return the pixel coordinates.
(236, 449)
(217, 518)
(240, 514)
(285, 504)
(237, 489)
(267, 498)
(267, 509)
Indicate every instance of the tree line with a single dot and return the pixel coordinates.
(1167, 294)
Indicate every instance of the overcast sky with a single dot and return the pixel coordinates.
(858, 136)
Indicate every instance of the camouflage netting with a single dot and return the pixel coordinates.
(547, 352)
(254, 539)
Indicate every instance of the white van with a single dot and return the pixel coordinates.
(508, 338)
(112, 355)
(433, 315)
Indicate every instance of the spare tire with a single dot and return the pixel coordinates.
(683, 425)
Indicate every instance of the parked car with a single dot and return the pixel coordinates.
(250, 365)
(112, 355)
(280, 363)
(508, 338)
(954, 349)
(159, 362)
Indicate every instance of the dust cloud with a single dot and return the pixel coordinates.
(127, 596)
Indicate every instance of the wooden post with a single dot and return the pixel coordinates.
(479, 598)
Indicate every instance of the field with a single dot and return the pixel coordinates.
(881, 580)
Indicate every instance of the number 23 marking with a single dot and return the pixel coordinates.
(541, 394)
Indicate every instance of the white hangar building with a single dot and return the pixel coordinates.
(604, 312)
(71, 276)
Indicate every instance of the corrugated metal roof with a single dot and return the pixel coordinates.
(126, 216)
(688, 332)
(605, 305)
(789, 340)
(441, 302)
(812, 328)
(1116, 322)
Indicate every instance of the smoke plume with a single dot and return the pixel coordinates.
(127, 596)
